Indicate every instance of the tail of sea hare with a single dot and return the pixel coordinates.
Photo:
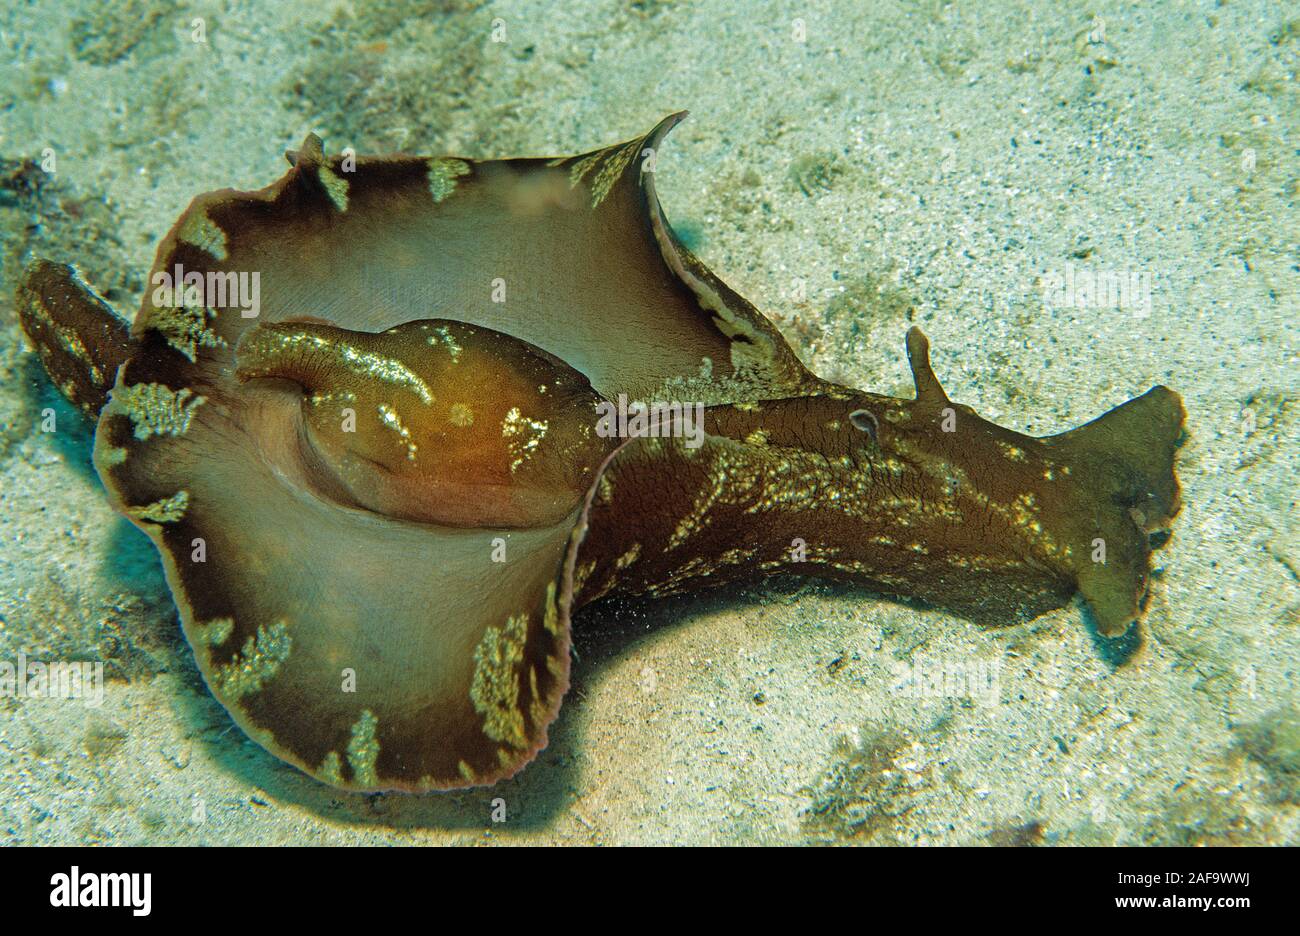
(79, 337)
(1126, 497)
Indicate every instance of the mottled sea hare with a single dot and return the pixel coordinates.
(360, 413)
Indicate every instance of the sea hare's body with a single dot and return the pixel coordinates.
(996, 526)
(383, 480)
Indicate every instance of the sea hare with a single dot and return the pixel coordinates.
(391, 421)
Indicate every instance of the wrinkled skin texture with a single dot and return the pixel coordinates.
(381, 496)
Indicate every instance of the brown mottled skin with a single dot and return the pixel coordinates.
(380, 499)
(901, 506)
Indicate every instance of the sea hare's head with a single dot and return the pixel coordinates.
(1082, 509)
